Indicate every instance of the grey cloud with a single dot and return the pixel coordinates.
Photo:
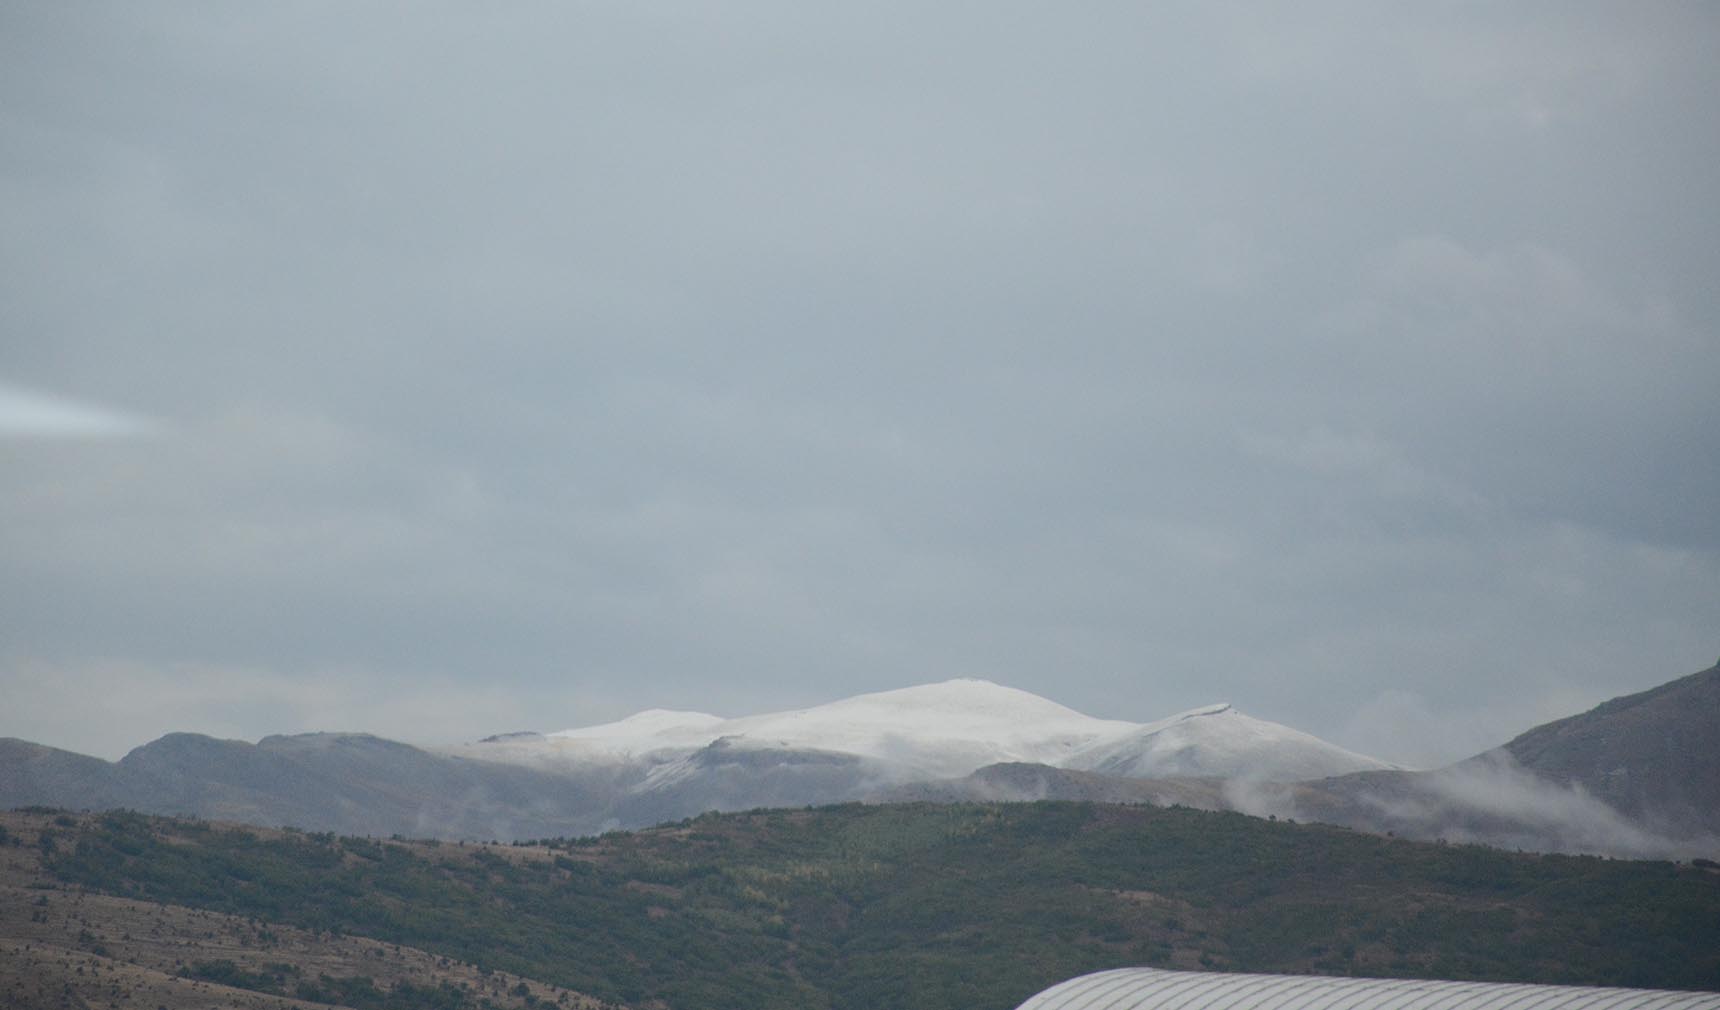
(748, 357)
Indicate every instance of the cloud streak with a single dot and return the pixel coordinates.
(28, 414)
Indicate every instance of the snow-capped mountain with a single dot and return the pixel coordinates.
(1219, 742)
(1605, 781)
(941, 731)
(931, 731)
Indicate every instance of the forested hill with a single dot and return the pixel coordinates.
(923, 906)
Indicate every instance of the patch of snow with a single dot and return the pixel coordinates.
(946, 729)
(636, 737)
(1219, 742)
(643, 732)
(935, 730)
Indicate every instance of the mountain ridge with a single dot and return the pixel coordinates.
(953, 728)
(1635, 776)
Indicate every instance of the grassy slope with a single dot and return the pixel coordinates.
(972, 906)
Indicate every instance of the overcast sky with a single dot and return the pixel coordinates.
(440, 370)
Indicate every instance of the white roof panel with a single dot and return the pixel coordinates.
(1155, 989)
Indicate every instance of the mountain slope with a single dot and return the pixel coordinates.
(1027, 783)
(33, 774)
(1654, 756)
(1636, 776)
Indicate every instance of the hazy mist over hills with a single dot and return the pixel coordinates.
(1637, 776)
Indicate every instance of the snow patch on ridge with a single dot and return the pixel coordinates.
(949, 730)
(1217, 741)
(945, 729)
(643, 732)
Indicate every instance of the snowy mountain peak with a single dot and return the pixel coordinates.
(946, 730)
(943, 729)
(1217, 741)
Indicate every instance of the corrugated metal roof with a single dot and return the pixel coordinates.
(1154, 989)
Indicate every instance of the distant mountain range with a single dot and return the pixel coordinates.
(1636, 776)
